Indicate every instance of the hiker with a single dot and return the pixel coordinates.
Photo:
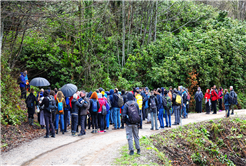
(101, 116)
(61, 105)
(41, 118)
(66, 114)
(160, 108)
(139, 99)
(198, 97)
(47, 114)
(83, 111)
(207, 98)
(146, 107)
(115, 109)
(167, 108)
(176, 103)
(215, 89)
(94, 107)
(123, 93)
(22, 83)
(105, 95)
(220, 99)
(188, 101)
(31, 101)
(27, 81)
(233, 96)
(226, 103)
(131, 116)
(184, 97)
(142, 93)
(214, 98)
(170, 94)
(152, 101)
(111, 94)
(53, 117)
(88, 112)
(74, 113)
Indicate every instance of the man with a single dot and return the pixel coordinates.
(160, 108)
(22, 83)
(131, 127)
(215, 89)
(139, 99)
(198, 98)
(123, 93)
(83, 111)
(184, 97)
(31, 100)
(153, 103)
(146, 107)
(233, 95)
(176, 107)
(115, 109)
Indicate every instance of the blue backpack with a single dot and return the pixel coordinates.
(94, 105)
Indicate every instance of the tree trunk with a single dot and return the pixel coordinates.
(156, 13)
(123, 30)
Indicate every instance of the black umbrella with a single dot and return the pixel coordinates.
(69, 89)
(39, 81)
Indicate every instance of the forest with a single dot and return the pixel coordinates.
(124, 44)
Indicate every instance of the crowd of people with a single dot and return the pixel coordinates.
(122, 109)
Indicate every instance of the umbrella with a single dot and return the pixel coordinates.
(39, 81)
(69, 89)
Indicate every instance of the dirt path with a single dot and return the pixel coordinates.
(85, 150)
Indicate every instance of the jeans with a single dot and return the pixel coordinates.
(57, 120)
(152, 120)
(176, 110)
(132, 130)
(82, 123)
(101, 121)
(227, 109)
(184, 111)
(160, 117)
(141, 122)
(74, 123)
(94, 120)
(69, 117)
(48, 122)
(116, 117)
(111, 116)
(107, 119)
(168, 118)
(207, 108)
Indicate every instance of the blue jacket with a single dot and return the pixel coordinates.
(23, 81)
(26, 77)
(226, 99)
(160, 104)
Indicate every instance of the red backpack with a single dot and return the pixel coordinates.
(101, 102)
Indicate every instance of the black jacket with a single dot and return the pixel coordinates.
(156, 101)
(34, 101)
(115, 100)
(46, 103)
(125, 111)
(86, 106)
(75, 107)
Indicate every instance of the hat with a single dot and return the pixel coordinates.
(103, 93)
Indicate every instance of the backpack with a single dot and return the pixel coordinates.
(188, 97)
(133, 114)
(60, 105)
(51, 105)
(103, 104)
(94, 105)
(146, 104)
(235, 98)
(178, 99)
(108, 101)
(29, 102)
(164, 101)
(169, 102)
(152, 103)
(120, 101)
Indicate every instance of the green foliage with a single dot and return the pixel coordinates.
(11, 112)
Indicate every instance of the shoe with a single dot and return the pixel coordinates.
(151, 129)
(175, 124)
(131, 152)
(53, 136)
(62, 131)
(46, 136)
(214, 113)
(156, 129)
(81, 134)
(114, 129)
(232, 113)
(165, 126)
(93, 131)
(106, 128)
(122, 127)
(104, 131)
(138, 151)
(75, 134)
(169, 126)
(29, 121)
(32, 122)
(101, 131)
(118, 128)
(56, 131)
(148, 123)
(140, 128)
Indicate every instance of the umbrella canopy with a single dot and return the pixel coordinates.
(69, 89)
(39, 81)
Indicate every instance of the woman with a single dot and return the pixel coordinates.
(101, 117)
(220, 99)
(207, 97)
(214, 98)
(61, 104)
(94, 107)
(198, 98)
(226, 102)
(31, 106)
(41, 114)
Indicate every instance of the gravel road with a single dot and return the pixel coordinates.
(85, 150)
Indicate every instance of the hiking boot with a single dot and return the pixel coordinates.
(114, 128)
(151, 129)
(93, 131)
(75, 134)
(56, 131)
(46, 136)
(131, 152)
(29, 121)
(53, 136)
(81, 134)
(232, 113)
(32, 122)
(138, 151)
(62, 131)
(121, 127)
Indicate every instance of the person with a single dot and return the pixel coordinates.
(88, 112)
(153, 103)
(60, 99)
(226, 103)
(215, 89)
(131, 127)
(74, 113)
(170, 94)
(207, 98)
(139, 99)
(27, 81)
(111, 94)
(31, 101)
(94, 107)
(168, 109)
(233, 95)
(160, 108)
(146, 107)
(123, 93)
(53, 116)
(55, 90)
(115, 109)
(22, 83)
(66, 114)
(48, 115)
(83, 111)
(107, 118)
(184, 97)
(188, 101)
(41, 117)
(198, 98)
(214, 98)
(142, 93)
(220, 99)
(101, 117)
(176, 107)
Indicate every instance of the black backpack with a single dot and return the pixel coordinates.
(29, 102)
(133, 114)
(52, 106)
(164, 101)
(152, 103)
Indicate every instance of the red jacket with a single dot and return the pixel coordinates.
(214, 95)
(207, 95)
(101, 102)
